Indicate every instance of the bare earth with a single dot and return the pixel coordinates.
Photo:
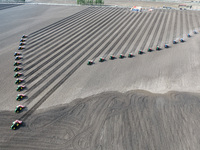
(70, 104)
(110, 121)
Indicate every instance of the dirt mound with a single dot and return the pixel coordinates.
(134, 120)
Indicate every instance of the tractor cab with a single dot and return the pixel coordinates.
(182, 40)
(112, 57)
(22, 40)
(24, 36)
(17, 54)
(195, 32)
(18, 57)
(16, 124)
(140, 52)
(17, 69)
(20, 88)
(22, 43)
(90, 62)
(175, 42)
(16, 63)
(21, 48)
(121, 56)
(17, 74)
(158, 48)
(19, 108)
(101, 59)
(130, 55)
(18, 81)
(20, 97)
(166, 46)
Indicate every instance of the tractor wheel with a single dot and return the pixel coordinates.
(20, 108)
(17, 111)
(13, 128)
(17, 124)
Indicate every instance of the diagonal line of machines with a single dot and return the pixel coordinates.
(68, 42)
(109, 29)
(63, 33)
(118, 16)
(145, 15)
(129, 24)
(66, 49)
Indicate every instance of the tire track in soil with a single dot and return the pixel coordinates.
(67, 52)
(86, 130)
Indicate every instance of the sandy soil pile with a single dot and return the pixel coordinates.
(110, 121)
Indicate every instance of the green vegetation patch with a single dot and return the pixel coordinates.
(90, 2)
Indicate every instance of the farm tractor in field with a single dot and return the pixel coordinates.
(112, 57)
(130, 55)
(16, 124)
(121, 56)
(90, 62)
(101, 59)
(19, 108)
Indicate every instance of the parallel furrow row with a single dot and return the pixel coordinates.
(187, 23)
(163, 29)
(175, 25)
(62, 43)
(145, 16)
(145, 20)
(150, 30)
(181, 24)
(126, 24)
(156, 30)
(169, 27)
(114, 44)
(54, 25)
(191, 20)
(75, 44)
(66, 25)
